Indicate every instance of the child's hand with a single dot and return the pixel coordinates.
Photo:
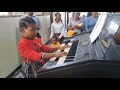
(60, 54)
(65, 46)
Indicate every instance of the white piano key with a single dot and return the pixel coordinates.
(62, 59)
(53, 59)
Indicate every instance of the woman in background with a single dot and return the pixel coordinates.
(76, 24)
(91, 21)
(58, 28)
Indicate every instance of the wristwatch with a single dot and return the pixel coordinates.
(43, 54)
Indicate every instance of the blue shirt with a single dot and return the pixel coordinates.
(90, 23)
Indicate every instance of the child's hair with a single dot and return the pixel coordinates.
(54, 37)
(24, 22)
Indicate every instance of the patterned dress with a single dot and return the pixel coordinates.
(30, 67)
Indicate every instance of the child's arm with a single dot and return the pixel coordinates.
(48, 49)
(59, 48)
(47, 56)
(29, 53)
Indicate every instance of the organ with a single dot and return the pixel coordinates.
(86, 58)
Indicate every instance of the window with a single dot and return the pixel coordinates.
(3, 13)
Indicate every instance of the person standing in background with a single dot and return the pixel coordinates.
(89, 14)
(76, 23)
(84, 17)
(58, 28)
(91, 21)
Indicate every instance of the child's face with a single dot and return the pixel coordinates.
(54, 40)
(30, 32)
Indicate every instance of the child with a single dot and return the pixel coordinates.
(34, 54)
(54, 42)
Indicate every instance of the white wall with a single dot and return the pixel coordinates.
(45, 30)
(8, 47)
(9, 37)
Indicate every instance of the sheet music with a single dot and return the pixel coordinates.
(98, 27)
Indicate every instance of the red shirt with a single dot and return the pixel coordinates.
(32, 49)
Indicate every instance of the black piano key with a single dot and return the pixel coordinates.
(67, 42)
(73, 49)
(68, 61)
(72, 52)
(70, 57)
(56, 59)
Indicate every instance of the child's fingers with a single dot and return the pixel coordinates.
(64, 53)
(67, 46)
